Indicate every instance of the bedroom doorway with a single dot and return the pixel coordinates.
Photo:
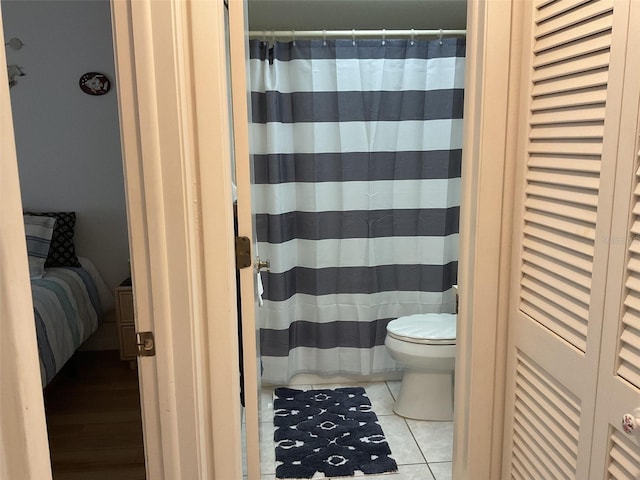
(71, 173)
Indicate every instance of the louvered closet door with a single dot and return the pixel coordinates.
(564, 186)
(616, 454)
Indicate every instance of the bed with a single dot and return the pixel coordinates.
(66, 290)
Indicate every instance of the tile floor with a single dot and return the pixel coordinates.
(422, 449)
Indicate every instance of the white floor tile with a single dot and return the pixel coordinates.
(321, 386)
(244, 448)
(381, 399)
(266, 404)
(442, 471)
(267, 449)
(434, 438)
(404, 449)
(394, 386)
(405, 472)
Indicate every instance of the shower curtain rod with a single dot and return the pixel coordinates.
(293, 34)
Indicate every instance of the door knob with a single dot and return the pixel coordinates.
(262, 265)
(631, 421)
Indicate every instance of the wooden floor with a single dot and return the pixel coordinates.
(94, 423)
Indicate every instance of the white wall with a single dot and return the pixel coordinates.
(68, 142)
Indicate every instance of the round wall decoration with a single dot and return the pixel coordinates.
(94, 83)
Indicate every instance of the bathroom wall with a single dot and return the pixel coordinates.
(358, 14)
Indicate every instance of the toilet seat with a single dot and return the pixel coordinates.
(427, 328)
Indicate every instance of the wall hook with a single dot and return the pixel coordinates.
(14, 71)
(15, 43)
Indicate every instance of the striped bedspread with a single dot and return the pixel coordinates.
(66, 306)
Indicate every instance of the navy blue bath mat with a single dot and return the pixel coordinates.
(330, 431)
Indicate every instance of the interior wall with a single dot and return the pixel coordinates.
(68, 142)
(358, 14)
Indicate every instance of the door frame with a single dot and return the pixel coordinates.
(486, 223)
(238, 63)
(175, 131)
(176, 144)
(21, 400)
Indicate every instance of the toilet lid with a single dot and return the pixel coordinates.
(425, 328)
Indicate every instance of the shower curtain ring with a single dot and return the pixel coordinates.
(293, 37)
(440, 36)
(384, 34)
(413, 34)
(353, 36)
(324, 38)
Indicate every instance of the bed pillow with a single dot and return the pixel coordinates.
(62, 251)
(38, 230)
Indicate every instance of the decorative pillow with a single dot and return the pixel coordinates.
(62, 251)
(38, 230)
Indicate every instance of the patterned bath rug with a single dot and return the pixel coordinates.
(334, 432)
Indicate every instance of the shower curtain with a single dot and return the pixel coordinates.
(356, 150)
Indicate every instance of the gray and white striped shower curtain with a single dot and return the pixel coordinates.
(357, 151)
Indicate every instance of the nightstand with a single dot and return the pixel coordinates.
(125, 321)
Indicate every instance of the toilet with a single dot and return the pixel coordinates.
(425, 344)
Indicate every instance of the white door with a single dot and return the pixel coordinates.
(172, 76)
(140, 257)
(616, 452)
(572, 78)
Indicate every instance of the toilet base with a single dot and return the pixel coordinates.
(426, 396)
